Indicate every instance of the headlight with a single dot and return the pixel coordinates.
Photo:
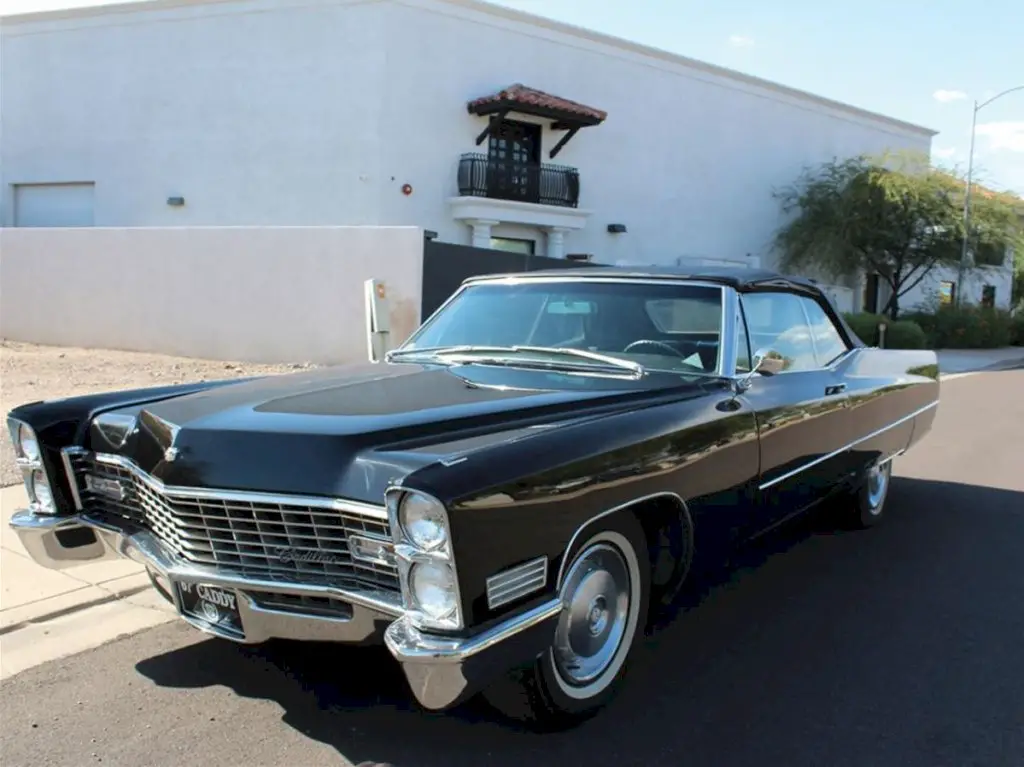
(426, 562)
(433, 589)
(28, 445)
(424, 521)
(39, 490)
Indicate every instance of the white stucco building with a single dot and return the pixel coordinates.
(447, 114)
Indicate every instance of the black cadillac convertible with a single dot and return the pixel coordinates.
(507, 497)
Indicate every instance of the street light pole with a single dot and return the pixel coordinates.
(967, 191)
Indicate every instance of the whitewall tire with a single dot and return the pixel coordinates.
(605, 600)
(868, 501)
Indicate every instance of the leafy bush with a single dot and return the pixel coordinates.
(902, 334)
(905, 334)
(865, 325)
(967, 327)
(1017, 330)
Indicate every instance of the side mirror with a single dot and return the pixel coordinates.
(766, 362)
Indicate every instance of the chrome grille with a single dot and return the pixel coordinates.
(306, 544)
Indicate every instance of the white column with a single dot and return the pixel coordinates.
(482, 232)
(556, 242)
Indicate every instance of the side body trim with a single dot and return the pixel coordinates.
(844, 448)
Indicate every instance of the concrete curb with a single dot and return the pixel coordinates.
(49, 614)
(1005, 365)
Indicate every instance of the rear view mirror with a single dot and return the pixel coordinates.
(570, 307)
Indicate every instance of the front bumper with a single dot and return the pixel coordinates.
(441, 671)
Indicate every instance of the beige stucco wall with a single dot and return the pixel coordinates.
(259, 294)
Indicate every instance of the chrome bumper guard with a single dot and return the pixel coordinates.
(441, 671)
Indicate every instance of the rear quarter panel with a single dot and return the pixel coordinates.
(892, 398)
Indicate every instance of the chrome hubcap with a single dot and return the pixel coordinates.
(878, 480)
(595, 609)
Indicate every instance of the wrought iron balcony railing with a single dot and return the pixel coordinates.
(482, 176)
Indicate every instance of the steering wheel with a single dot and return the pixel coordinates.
(652, 342)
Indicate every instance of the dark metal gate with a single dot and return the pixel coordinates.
(446, 265)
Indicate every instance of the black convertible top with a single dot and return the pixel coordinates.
(739, 278)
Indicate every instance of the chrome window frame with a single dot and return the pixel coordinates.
(814, 344)
(833, 365)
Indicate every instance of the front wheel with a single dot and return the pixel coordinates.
(605, 597)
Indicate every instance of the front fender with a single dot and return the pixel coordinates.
(513, 502)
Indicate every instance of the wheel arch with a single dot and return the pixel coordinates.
(665, 519)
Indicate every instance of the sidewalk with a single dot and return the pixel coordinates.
(954, 361)
(48, 614)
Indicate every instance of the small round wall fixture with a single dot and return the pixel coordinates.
(406, 189)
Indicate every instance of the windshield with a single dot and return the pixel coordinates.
(667, 326)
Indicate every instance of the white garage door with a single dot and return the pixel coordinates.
(53, 204)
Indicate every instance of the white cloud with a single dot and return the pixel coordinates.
(1006, 134)
(740, 41)
(944, 96)
(944, 152)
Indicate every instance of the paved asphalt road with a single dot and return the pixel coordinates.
(898, 646)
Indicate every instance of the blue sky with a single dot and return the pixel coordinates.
(924, 61)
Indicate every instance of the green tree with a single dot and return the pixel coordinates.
(895, 215)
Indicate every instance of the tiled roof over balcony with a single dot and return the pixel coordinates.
(531, 101)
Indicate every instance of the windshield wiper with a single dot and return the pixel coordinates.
(433, 350)
(468, 353)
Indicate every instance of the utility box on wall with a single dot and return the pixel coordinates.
(378, 319)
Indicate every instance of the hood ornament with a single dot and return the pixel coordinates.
(116, 428)
(162, 432)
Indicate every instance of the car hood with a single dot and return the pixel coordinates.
(350, 431)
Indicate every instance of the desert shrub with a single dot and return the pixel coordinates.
(902, 334)
(865, 326)
(905, 334)
(966, 327)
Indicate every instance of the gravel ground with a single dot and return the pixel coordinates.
(29, 373)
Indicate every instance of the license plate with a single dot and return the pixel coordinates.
(212, 605)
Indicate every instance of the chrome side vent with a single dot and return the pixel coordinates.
(509, 585)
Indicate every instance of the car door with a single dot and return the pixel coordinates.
(800, 411)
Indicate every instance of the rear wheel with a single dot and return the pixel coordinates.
(868, 500)
(605, 596)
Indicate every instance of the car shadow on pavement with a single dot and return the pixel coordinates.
(814, 645)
